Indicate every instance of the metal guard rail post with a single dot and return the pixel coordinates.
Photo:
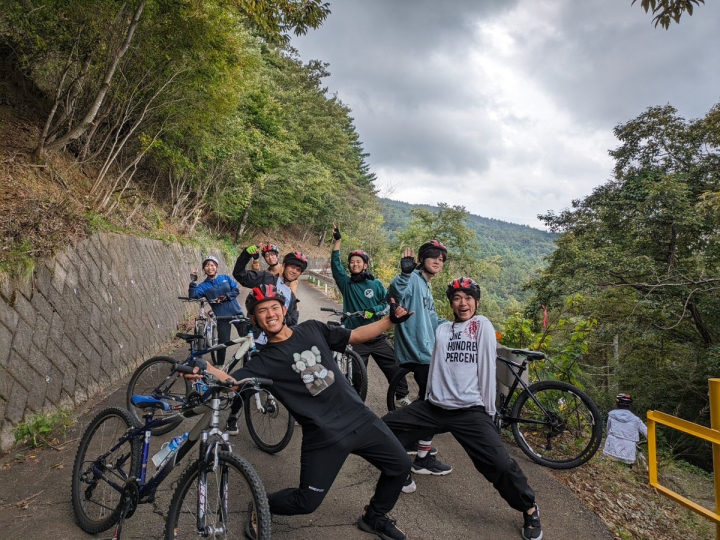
(318, 278)
(711, 435)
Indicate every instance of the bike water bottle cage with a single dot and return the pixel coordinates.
(432, 249)
(271, 248)
(359, 253)
(465, 285)
(296, 258)
(261, 294)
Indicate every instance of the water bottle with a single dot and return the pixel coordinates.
(167, 450)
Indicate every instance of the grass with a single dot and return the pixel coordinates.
(43, 430)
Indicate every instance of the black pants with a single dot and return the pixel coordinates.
(421, 372)
(372, 441)
(223, 330)
(384, 356)
(474, 430)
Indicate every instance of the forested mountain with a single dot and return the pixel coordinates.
(521, 248)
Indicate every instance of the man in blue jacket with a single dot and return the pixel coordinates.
(414, 342)
(362, 292)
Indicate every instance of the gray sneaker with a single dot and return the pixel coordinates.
(430, 465)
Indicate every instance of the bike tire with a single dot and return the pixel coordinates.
(270, 424)
(151, 379)
(565, 438)
(214, 340)
(409, 378)
(359, 378)
(233, 478)
(89, 491)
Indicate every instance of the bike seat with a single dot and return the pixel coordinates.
(147, 402)
(188, 337)
(530, 355)
(333, 323)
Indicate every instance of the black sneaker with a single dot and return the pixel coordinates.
(430, 465)
(383, 526)
(232, 425)
(531, 527)
(412, 450)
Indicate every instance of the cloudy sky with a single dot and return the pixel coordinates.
(507, 106)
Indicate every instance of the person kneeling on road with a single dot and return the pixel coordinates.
(335, 422)
(460, 398)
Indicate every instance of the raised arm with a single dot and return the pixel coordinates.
(398, 314)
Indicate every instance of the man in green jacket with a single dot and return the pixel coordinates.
(362, 292)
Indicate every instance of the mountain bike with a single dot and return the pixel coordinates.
(269, 423)
(205, 325)
(350, 363)
(216, 497)
(554, 423)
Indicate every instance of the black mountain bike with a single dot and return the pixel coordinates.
(269, 423)
(350, 363)
(218, 496)
(554, 423)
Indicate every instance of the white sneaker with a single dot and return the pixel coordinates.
(404, 402)
(410, 485)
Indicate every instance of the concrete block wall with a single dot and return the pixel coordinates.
(86, 319)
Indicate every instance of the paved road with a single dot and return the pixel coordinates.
(35, 492)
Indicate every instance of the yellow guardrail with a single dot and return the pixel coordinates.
(711, 435)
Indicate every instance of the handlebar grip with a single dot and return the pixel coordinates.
(184, 369)
(263, 382)
(332, 310)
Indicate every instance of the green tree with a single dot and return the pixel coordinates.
(665, 11)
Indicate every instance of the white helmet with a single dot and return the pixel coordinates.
(210, 258)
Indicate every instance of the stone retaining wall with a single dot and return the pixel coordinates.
(86, 319)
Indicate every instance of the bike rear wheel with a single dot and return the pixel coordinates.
(355, 371)
(97, 504)
(413, 388)
(155, 378)
(269, 423)
(231, 487)
(564, 435)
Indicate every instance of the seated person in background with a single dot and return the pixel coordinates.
(221, 288)
(362, 292)
(335, 422)
(460, 398)
(271, 254)
(623, 431)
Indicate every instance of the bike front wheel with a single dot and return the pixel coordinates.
(101, 470)
(232, 493)
(269, 423)
(560, 427)
(155, 378)
(355, 371)
(402, 376)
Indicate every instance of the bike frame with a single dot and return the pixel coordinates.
(517, 371)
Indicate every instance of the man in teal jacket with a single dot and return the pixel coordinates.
(414, 343)
(362, 292)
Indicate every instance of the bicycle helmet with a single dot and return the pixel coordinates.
(623, 400)
(210, 258)
(429, 249)
(465, 285)
(261, 294)
(271, 248)
(296, 258)
(359, 253)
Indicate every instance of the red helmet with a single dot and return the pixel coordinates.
(261, 294)
(465, 285)
(296, 258)
(271, 248)
(359, 253)
(430, 246)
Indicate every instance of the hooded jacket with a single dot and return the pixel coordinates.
(623, 432)
(220, 285)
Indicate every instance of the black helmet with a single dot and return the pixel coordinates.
(359, 253)
(296, 258)
(465, 285)
(261, 294)
(429, 247)
(270, 248)
(623, 400)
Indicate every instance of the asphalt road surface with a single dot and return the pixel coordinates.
(35, 486)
